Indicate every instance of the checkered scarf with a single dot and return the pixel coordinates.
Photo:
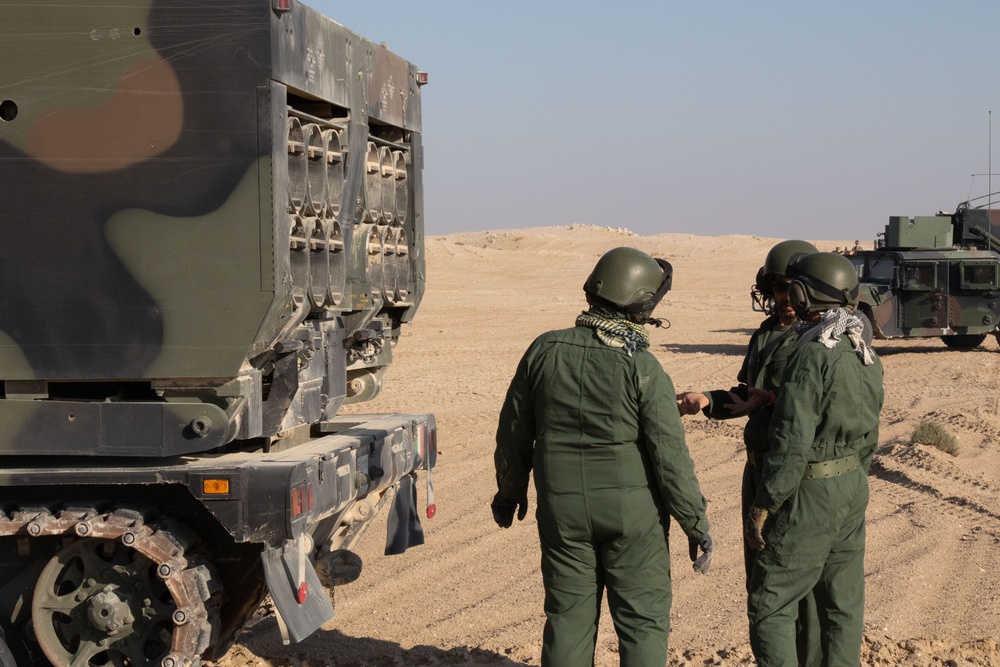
(834, 323)
(614, 329)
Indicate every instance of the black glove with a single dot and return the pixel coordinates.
(701, 563)
(503, 510)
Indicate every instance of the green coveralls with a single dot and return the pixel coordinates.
(602, 432)
(763, 366)
(828, 410)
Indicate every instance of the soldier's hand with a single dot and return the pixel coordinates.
(756, 398)
(691, 402)
(503, 510)
(707, 546)
(753, 530)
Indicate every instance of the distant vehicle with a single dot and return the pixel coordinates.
(211, 236)
(934, 277)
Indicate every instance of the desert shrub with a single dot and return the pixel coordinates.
(933, 434)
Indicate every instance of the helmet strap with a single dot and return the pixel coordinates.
(842, 296)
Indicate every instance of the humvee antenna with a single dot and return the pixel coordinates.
(989, 168)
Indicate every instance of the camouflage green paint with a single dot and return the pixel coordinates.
(186, 282)
(71, 97)
(166, 134)
(203, 273)
(932, 277)
(144, 157)
(65, 428)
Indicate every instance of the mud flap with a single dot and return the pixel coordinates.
(302, 603)
(404, 530)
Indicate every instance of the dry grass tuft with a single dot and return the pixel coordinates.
(935, 435)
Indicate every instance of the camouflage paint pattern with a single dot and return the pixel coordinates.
(932, 276)
(212, 225)
(150, 257)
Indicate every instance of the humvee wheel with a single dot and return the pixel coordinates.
(964, 341)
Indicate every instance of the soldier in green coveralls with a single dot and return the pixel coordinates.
(808, 518)
(759, 380)
(592, 412)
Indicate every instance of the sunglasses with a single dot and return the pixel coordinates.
(781, 286)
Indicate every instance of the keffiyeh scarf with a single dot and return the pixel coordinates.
(832, 325)
(614, 329)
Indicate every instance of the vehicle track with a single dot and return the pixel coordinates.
(920, 472)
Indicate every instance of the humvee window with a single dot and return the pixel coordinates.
(979, 276)
(919, 276)
(880, 270)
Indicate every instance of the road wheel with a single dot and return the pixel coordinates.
(120, 592)
(100, 602)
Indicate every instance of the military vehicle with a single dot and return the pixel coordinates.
(212, 233)
(934, 276)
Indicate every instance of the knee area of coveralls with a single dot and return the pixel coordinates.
(572, 617)
(640, 610)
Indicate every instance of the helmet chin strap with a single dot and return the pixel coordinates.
(658, 322)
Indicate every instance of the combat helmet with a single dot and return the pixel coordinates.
(629, 280)
(777, 260)
(821, 281)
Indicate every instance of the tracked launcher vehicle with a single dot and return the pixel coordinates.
(934, 277)
(211, 235)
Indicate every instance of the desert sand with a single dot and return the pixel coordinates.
(472, 595)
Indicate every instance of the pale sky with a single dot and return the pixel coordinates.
(802, 119)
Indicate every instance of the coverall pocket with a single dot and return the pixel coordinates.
(801, 531)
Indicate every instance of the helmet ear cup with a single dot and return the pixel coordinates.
(798, 296)
(644, 303)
